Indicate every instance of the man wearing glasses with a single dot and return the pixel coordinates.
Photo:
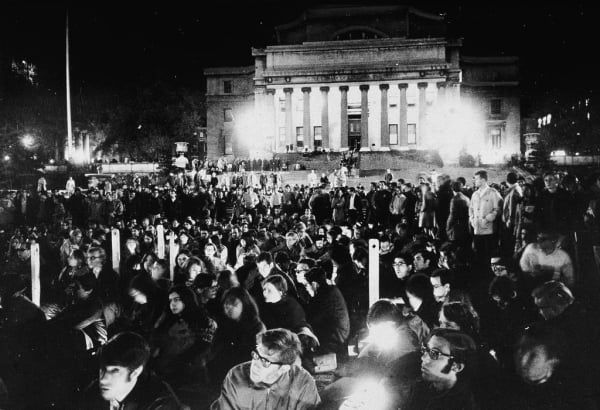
(273, 379)
(446, 371)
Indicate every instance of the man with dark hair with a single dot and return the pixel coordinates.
(554, 206)
(512, 200)
(424, 261)
(273, 379)
(447, 364)
(457, 226)
(124, 382)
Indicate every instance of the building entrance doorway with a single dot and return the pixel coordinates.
(354, 136)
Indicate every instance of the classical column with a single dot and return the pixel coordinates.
(364, 117)
(289, 122)
(344, 116)
(308, 138)
(325, 117)
(422, 111)
(403, 122)
(441, 95)
(86, 148)
(271, 118)
(442, 110)
(385, 129)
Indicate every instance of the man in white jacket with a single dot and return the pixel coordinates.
(485, 205)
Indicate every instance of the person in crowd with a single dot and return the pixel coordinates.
(279, 309)
(543, 378)
(206, 287)
(108, 280)
(149, 302)
(125, 382)
(236, 333)
(419, 296)
(272, 379)
(448, 361)
(182, 339)
(327, 313)
(75, 241)
(457, 224)
(544, 260)
(554, 206)
(483, 210)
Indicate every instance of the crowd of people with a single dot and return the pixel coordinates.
(483, 302)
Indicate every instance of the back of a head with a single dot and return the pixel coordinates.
(420, 286)
(204, 280)
(283, 342)
(553, 295)
(317, 275)
(384, 310)
(282, 259)
(126, 349)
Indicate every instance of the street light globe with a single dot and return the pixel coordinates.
(7, 158)
(27, 140)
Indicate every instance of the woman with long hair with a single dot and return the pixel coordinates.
(181, 266)
(236, 335)
(183, 338)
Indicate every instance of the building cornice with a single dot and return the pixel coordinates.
(225, 71)
(357, 44)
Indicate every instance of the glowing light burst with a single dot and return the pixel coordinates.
(27, 141)
(369, 394)
(248, 128)
(456, 127)
(383, 335)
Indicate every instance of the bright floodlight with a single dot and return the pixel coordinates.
(27, 141)
(384, 335)
(6, 158)
(368, 395)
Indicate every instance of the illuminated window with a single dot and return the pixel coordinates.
(496, 138)
(282, 135)
(496, 106)
(393, 134)
(412, 133)
(318, 137)
(227, 87)
(300, 137)
(227, 115)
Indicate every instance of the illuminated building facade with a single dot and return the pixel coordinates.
(376, 78)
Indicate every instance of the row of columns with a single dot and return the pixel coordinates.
(364, 90)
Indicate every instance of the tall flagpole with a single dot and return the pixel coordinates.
(69, 148)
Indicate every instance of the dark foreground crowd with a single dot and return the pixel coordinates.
(483, 298)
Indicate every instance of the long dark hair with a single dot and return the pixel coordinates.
(249, 307)
(192, 313)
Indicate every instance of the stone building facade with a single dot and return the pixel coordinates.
(375, 78)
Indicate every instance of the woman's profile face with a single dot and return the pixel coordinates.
(271, 294)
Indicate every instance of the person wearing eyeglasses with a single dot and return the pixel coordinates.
(273, 379)
(447, 364)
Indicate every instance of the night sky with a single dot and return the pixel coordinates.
(114, 46)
